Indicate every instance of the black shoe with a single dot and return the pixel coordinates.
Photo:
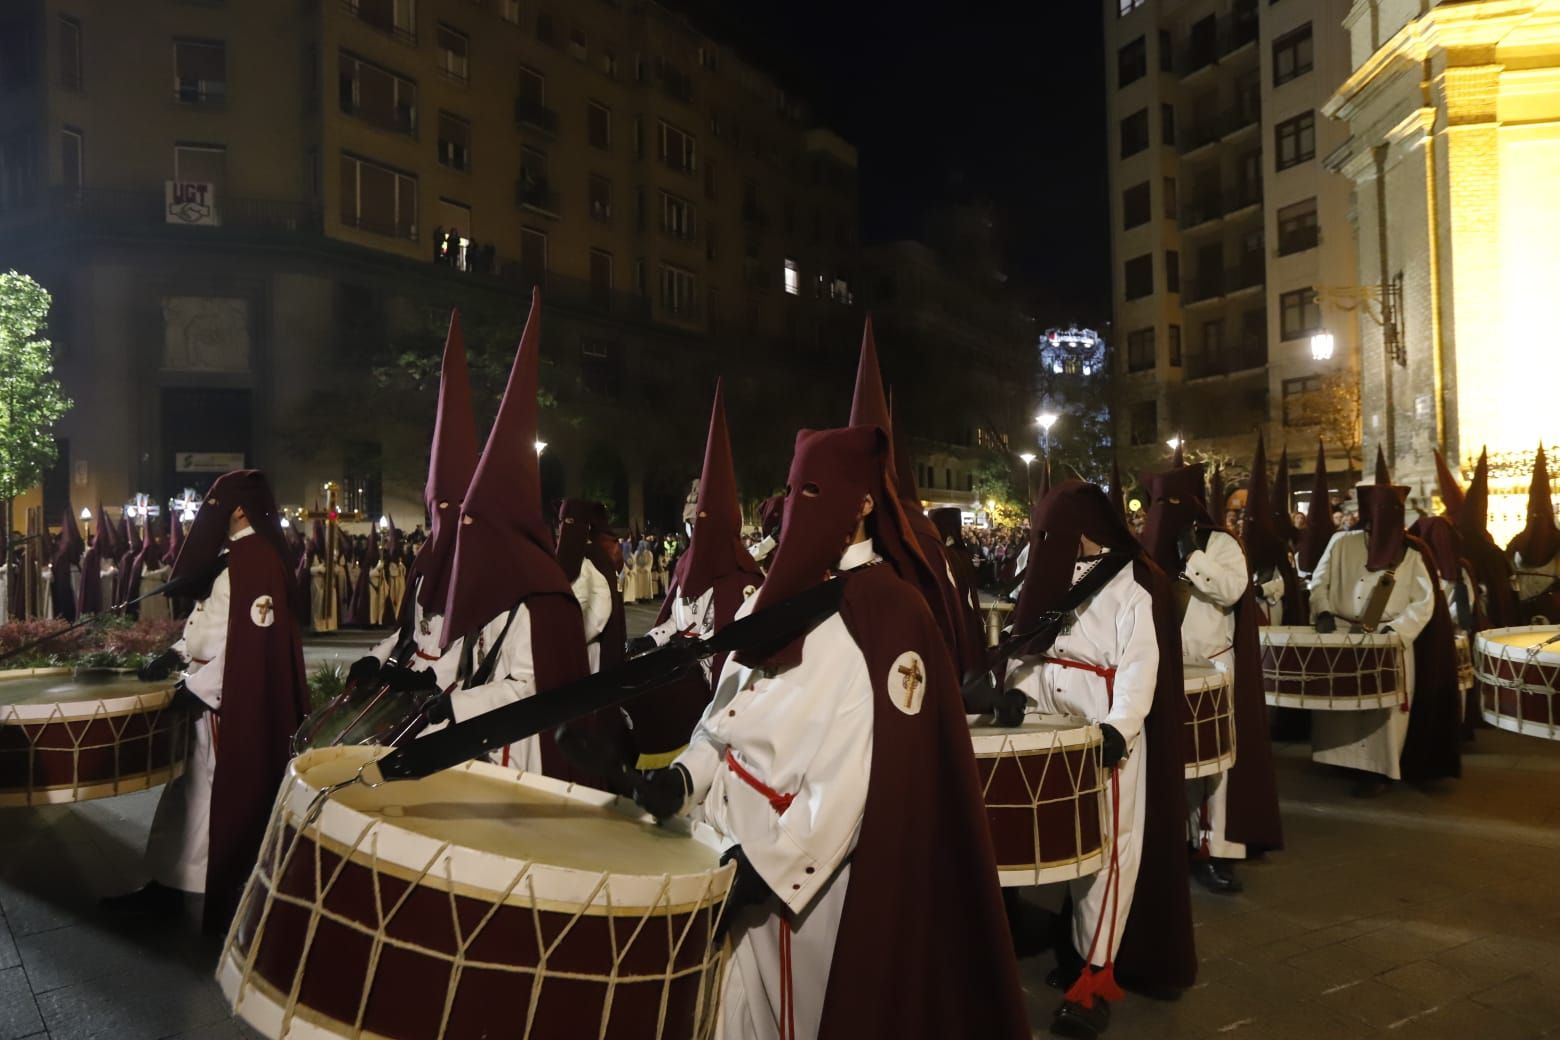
(1217, 876)
(1074, 1020)
(152, 899)
(1371, 787)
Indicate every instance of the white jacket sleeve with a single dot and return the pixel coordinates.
(1219, 571)
(1413, 618)
(1321, 580)
(514, 675)
(1137, 666)
(205, 681)
(595, 598)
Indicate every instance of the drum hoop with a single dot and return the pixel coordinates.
(1487, 648)
(63, 794)
(86, 710)
(1213, 679)
(1079, 735)
(1301, 635)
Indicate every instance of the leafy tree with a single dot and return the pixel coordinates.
(31, 399)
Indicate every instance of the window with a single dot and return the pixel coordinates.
(577, 46)
(1297, 230)
(454, 50)
(1172, 271)
(1170, 198)
(1132, 62)
(677, 291)
(1134, 133)
(677, 148)
(70, 53)
(678, 217)
(203, 164)
(839, 292)
(1296, 140)
(1140, 276)
(452, 235)
(1212, 347)
(1292, 55)
(709, 245)
(609, 65)
(377, 198)
(534, 188)
(545, 30)
(793, 278)
(532, 89)
(533, 255)
(1167, 125)
(70, 159)
(600, 278)
(1300, 398)
(378, 96)
(509, 11)
(1175, 345)
(199, 71)
(1166, 52)
(1136, 205)
(454, 142)
(18, 169)
(598, 125)
(1298, 314)
(1128, 6)
(396, 17)
(1140, 350)
(1145, 422)
(600, 189)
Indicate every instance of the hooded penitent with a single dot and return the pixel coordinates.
(1176, 504)
(1319, 527)
(358, 612)
(129, 549)
(264, 692)
(1491, 567)
(452, 460)
(1267, 552)
(1451, 491)
(68, 553)
(1283, 520)
(503, 555)
(869, 407)
(1157, 950)
(770, 511)
(90, 598)
(1540, 539)
(1218, 497)
(1382, 517)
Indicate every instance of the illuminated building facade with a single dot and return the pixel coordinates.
(1455, 118)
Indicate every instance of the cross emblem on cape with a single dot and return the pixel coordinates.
(913, 678)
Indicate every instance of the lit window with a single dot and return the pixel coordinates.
(793, 278)
(454, 52)
(199, 71)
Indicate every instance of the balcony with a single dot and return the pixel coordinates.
(1298, 240)
(1214, 129)
(1226, 359)
(402, 119)
(1210, 285)
(535, 194)
(1244, 197)
(1202, 210)
(145, 210)
(1206, 49)
(380, 16)
(536, 115)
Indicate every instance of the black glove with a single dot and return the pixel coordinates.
(640, 645)
(437, 709)
(1326, 623)
(747, 887)
(1008, 712)
(1385, 630)
(1115, 745)
(364, 670)
(1187, 544)
(980, 693)
(405, 680)
(160, 667)
(662, 792)
(187, 701)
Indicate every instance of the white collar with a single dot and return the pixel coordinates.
(858, 555)
(245, 533)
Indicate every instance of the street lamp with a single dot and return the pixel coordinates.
(1028, 458)
(1174, 442)
(384, 523)
(541, 446)
(1322, 346)
(1046, 420)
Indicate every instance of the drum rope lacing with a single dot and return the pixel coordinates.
(1493, 650)
(267, 884)
(1350, 671)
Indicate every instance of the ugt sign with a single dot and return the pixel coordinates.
(190, 202)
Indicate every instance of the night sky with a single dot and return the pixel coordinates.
(949, 104)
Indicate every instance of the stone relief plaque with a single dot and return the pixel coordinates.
(205, 334)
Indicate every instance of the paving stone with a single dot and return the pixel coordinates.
(19, 1015)
(1532, 999)
(75, 954)
(129, 1006)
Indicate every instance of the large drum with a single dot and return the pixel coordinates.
(1044, 788)
(473, 903)
(1210, 722)
(1519, 677)
(1333, 671)
(69, 739)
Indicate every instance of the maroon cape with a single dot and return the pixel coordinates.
(1254, 819)
(923, 951)
(558, 656)
(1158, 951)
(1432, 749)
(264, 699)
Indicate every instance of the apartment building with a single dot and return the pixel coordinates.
(245, 209)
(1228, 235)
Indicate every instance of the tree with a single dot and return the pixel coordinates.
(31, 399)
(1335, 412)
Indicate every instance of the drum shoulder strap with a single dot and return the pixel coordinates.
(483, 672)
(1376, 606)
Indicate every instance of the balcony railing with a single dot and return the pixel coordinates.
(1243, 197)
(535, 193)
(401, 120)
(112, 208)
(1216, 128)
(1298, 240)
(1231, 34)
(1208, 285)
(1201, 210)
(536, 115)
(1227, 359)
(380, 16)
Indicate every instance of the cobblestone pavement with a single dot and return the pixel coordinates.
(1412, 915)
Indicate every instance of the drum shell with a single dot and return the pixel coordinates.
(1209, 746)
(68, 751)
(1302, 668)
(1044, 790)
(1517, 688)
(339, 909)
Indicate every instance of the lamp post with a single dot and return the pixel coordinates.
(1029, 485)
(1046, 420)
(86, 518)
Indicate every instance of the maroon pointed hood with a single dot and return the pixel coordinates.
(949, 521)
(175, 538)
(1382, 516)
(716, 548)
(106, 537)
(246, 488)
(1473, 519)
(1059, 520)
(317, 539)
(1176, 503)
(1539, 540)
(1452, 495)
(70, 546)
(1444, 543)
(1217, 496)
(1264, 546)
(770, 512)
(1319, 527)
(574, 535)
(503, 549)
(132, 536)
(1118, 494)
(452, 460)
(1283, 518)
(869, 403)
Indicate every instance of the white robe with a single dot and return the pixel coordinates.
(157, 608)
(177, 846)
(109, 575)
(514, 679)
(595, 599)
(806, 732)
(1368, 740)
(1218, 579)
(1114, 628)
(644, 574)
(427, 631)
(322, 608)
